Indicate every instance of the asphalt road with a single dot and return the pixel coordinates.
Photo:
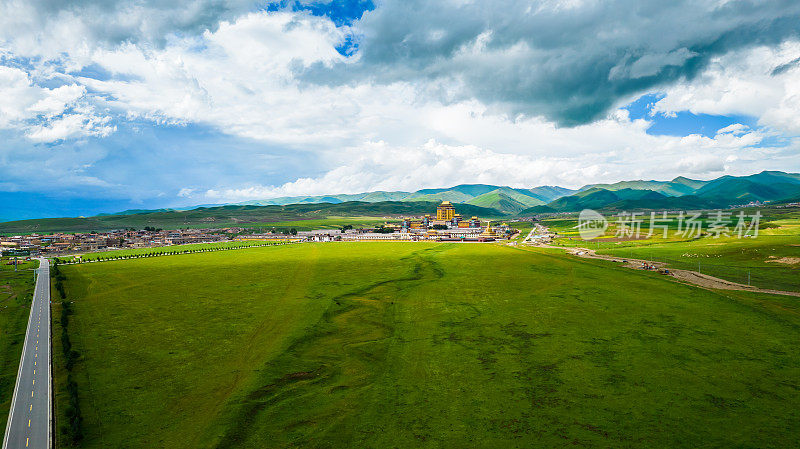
(29, 417)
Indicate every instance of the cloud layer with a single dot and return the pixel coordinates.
(216, 101)
(570, 60)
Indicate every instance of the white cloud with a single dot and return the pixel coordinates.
(381, 166)
(248, 76)
(186, 193)
(746, 83)
(45, 114)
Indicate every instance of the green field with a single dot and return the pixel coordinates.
(771, 260)
(16, 293)
(421, 345)
(162, 250)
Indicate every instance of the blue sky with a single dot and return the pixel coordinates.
(683, 123)
(118, 105)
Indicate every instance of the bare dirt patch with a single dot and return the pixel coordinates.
(686, 276)
(6, 290)
(621, 239)
(785, 260)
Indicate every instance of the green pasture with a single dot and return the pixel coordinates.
(770, 260)
(421, 345)
(524, 227)
(323, 223)
(16, 293)
(161, 250)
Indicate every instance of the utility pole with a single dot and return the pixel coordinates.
(748, 278)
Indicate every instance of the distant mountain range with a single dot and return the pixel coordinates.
(680, 192)
(485, 201)
(260, 217)
(505, 199)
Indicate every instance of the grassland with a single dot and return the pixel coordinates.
(422, 345)
(16, 293)
(164, 250)
(772, 260)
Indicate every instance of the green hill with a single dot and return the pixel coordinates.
(668, 188)
(453, 196)
(680, 193)
(463, 193)
(499, 201)
(547, 194)
(471, 190)
(597, 198)
(372, 197)
(687, 202)
(491, 200)
(691, 183)
(723, 191)
(732, 190)
(238, 215)
(506, 200)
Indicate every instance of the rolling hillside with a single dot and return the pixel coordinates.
(597, 198)
(680, 193)
(764, 186)
(463, 193)
(550, 193)
(624, 199)
(482, 200)
(677, 187)
(453, 196)
(242, 216)
(506, 200)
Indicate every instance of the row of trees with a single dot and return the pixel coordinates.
(73, 428)
(272, 230)
(161, 253)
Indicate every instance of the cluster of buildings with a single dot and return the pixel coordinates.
(59, 243)
(446, 226)
(750, 204)
(446, 218)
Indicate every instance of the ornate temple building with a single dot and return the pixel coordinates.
(489, 232)
(445, 216)
(446, 211)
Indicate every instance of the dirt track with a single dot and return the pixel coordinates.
(687, 276)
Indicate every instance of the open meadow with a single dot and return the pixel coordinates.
(164, 250)
(418, 345)
(770, 260)
(16, 293)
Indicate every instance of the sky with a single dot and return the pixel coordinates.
(110, 105)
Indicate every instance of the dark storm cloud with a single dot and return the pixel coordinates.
(149, 21)
(784, 67)
(569, 61)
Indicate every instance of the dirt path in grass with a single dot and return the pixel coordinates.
(687, 276)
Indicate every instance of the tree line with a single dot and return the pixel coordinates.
(73, 428)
